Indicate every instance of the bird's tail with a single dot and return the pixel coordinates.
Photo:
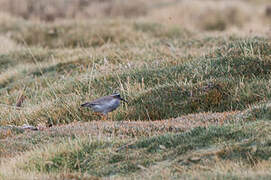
(86, 104)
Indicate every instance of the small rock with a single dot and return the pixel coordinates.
(141, 167)
(253, 149)
(184, 163)
(194, 159)
(162, 147)
(33, 128)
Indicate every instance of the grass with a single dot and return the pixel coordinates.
(237, 142)
(197, 83)
(234, 91)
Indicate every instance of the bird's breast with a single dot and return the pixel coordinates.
(97, 108)
(114, 103)
(107, 106)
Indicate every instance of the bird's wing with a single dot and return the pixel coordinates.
(100, 100)
(89, 104)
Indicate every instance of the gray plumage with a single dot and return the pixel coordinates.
(105, 104)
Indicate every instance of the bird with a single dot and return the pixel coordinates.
(105, 104)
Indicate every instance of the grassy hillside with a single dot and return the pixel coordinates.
(197, 81)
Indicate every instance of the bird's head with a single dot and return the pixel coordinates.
(117, 96)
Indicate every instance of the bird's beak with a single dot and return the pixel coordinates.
(124, 100)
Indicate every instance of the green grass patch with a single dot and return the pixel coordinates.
(106, 158)
(232, 77)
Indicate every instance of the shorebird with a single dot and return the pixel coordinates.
(105, 104)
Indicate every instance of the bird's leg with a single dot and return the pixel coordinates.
(104, 117)
(96, 114)
(111, 117)
(101, 115)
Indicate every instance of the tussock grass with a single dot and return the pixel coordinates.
(240, 144)
(51, 10)
(230, 78)
(103, 158)
(259, 111)
(74, 34)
